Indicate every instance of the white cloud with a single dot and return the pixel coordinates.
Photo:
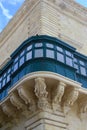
(5, 11)
(14, 2)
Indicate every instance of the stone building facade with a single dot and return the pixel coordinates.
(43, 67)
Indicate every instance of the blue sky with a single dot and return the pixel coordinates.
(9, 7)
(82, 2)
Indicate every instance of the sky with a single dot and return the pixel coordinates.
(9, 7)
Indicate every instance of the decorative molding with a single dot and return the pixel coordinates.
(27, 98)
(3, 118)
(57, 95)
(82, 103)
(41, 93)
(23, 93)
(69, 98)
(8, 109)
(16, 101)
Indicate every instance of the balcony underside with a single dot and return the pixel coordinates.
(42, 91)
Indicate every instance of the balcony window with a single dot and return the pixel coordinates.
(8, 78)
(22, 53)
(0, 85)
(0, 82)
(59, 49)
(29, 55)
(15, 67)
(38, 53)
(29, 47)
(38, 45)
(69, 61)
(82, 63)
(16, 59)
(68, 53)
(81, 66)
(4, 82)
(83, 70)
(60, 57)
(50, 53)
(21, 61)
(49, 45)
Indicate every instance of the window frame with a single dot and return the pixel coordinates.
(78, 63)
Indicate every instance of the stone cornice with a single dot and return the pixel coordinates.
(80, 9)
(66, 7)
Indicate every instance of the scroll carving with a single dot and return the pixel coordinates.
(70, 98)
(24, 94)
(57, 95)
(41, 93)
(16, 101)
(8, 109)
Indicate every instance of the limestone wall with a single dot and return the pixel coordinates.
(62, 19)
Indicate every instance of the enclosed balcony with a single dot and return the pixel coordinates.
(43, 53)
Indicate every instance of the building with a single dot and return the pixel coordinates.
(43, 67)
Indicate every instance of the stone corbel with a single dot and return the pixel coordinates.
(23, 93)
(69, 99)
(16, 101)
(8, 109)
(82, 106)
(2, 117)
(27, 98)
(57, 95)
(41, 93)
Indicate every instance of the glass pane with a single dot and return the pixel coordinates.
(81, 62)
(8, 78)
(60, 57)
(4, 75)
(38, 45)
(29, 47)
(59, 49)
(3, 83)
(29, 55)
(39, 53)
(9, 70)
(76, 66)
(22, 53)
(83, 70)
(21, 61)
(75, 60)
(0, 79)
(15, 67)
(69, 61)
(16, 59)
(50, 53)
(68, 53)
(0, 85)
(49, 45)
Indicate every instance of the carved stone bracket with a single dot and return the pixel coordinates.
(69, 98)
(16, 101)
(2, 117)
(23, 93)
(41, 93)
(57, 95)
(27, 98)
(82, 106)
(8, 109)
